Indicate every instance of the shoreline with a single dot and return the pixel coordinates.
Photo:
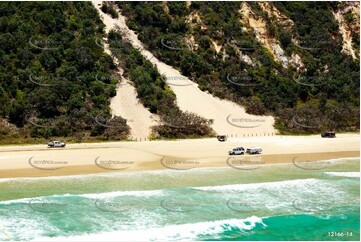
(93, 158)
(93, 169)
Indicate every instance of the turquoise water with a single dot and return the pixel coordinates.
(275, 202)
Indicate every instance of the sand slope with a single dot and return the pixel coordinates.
(229, 118)
(125, 103)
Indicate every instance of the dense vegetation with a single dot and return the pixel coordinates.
(56, 80)
(107, 7)
(330, 98)
(155, 94)
(50, 66)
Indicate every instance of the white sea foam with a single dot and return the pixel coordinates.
(123, 193)
(90, 195)
(213, 229)
(28, 200)
(344, 174)
(277, 184)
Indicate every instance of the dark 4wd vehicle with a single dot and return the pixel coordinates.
(222, 138)
(328, 134)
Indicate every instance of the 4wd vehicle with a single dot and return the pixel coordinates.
(328, 134)
(56, 143)
(236, 151)
(253, 150)
(222, 138)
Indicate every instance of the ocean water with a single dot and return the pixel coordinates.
(271, 202)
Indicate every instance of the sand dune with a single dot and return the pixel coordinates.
(139, 118)
(229, 118)
(125, 103)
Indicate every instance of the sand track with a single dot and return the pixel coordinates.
(229, 118)
(125, 103)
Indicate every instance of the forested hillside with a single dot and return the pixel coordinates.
(283, 58)
(52, 72)
(297, 61)
(155, 94)
(56, 80)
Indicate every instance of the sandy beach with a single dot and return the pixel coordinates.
(229, 118)
(88, 158)
(71, 71)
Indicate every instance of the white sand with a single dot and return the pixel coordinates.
(139, 119)
(148, 154)
(126, 103)
(190, 98)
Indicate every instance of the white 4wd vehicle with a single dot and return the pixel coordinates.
(56, 143)
(237, 151)
(254, 150)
